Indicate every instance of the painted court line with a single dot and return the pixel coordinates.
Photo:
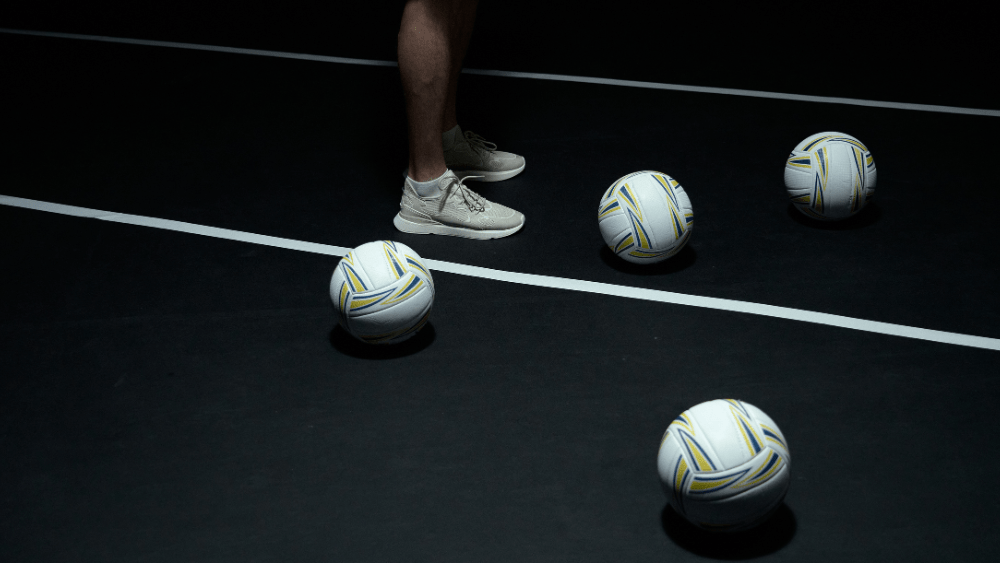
(531, 75)
(197, 47)
(528, 279)
(737, 92)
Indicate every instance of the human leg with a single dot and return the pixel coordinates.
(465, 19)
(432, 40)
(426, 49)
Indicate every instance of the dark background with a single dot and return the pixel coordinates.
(940, 55)
(169, 397)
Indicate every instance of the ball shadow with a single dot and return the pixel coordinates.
(868, 216)
(346, 344)
(680, 261)
(769, 537)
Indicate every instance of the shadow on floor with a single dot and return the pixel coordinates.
(350, 346)
(865, 218)
(680, 261)
(769, 537)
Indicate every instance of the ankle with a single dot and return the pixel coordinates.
(427, 188)
(426, 174)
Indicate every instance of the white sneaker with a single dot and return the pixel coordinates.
(472, 155)
(458, 211)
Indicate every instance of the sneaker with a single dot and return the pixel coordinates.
(458, 211)
(472, 155)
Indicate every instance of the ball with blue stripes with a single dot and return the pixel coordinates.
(725, 465)
(645, 217)
(382, 291)
(830, 176)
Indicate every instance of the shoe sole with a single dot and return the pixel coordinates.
(486, 175)
(421, 229)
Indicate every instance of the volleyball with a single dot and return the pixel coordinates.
(382, 291)
(645, 217)
(830, 176)
(724, 465)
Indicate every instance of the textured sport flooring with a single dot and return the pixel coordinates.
(173, 397)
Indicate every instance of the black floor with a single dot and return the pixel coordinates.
(172, 397)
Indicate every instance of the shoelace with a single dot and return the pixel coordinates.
(478, 143)
(474, 201)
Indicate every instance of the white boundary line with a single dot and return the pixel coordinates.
(738, 92)
(529, 279)
(532, 75)
(197, 47)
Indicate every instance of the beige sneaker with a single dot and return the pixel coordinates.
(458, 211)
(472, 155)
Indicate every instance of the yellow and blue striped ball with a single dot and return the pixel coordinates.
(645, 217)
(830, 176)
(382, 292)
(724, 465)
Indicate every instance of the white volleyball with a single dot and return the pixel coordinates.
(382, 291)
(724, 465)
(645, 217)
(830, 176)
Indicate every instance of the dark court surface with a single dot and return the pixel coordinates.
(171, 397)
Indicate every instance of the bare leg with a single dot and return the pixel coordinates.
(427, 53)
(460, 42)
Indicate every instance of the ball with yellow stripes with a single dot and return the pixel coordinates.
(830, 176)
(382, 292)
(724, 465)
(645, 217)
